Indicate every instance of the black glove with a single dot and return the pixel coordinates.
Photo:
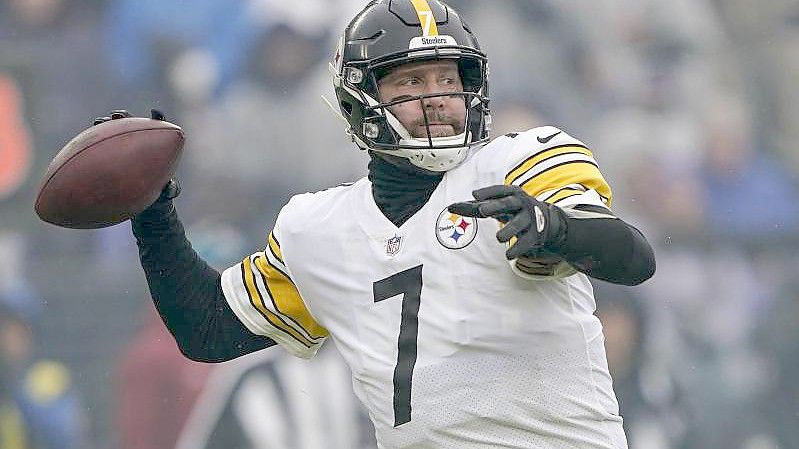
(155, 114)
(540, 228)
(172, 188)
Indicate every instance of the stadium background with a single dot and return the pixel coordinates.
(691, 108)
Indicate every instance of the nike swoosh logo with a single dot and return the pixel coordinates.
(548, 138)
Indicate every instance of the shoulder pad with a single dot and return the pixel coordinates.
(306, 208)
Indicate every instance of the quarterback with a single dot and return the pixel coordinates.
(453, 280)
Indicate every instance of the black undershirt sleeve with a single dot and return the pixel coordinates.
(188, 292)
(608, 249)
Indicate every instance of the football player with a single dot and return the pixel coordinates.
(453, 280)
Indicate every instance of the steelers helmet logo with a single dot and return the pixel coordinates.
(454, 231)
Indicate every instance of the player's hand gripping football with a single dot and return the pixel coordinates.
(539, 227)
(172, 188)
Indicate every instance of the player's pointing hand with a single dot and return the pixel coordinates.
(538, 226)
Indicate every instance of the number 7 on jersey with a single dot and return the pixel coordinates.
(409, 284)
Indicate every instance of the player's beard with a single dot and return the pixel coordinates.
(445, 125)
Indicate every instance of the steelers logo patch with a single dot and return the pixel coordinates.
(455, 231)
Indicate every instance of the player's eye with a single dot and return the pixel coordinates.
(410, 81)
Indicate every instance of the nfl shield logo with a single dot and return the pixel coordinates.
(393, 245)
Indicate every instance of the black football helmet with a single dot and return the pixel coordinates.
(389, 33)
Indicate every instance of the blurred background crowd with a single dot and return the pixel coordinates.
(690, 106)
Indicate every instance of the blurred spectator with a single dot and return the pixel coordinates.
(778, 341)
(16, 153)
(649, 399)
(767, 40)
(143, 37)
(13, 429)
(749, 194)
(47, 45)
(156, 388)
(38, 401)
(271, 400)
(545, 55)
(271, 134)
(49, 50)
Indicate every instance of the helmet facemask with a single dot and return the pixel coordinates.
(374, 127)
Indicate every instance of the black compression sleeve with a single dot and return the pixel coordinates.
(608, 249)
(187, 292)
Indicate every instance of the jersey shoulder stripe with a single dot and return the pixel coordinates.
(274, 247)
(558, 173)
(543, 155)
(257, 285)
(265, 299)
(286, 299)
(552, 163)
(553, 166)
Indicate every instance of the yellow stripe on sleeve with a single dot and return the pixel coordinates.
(574, 172)
(530, 162)
(274, 246)
(287, 299)
(256, 299)
(429, 27)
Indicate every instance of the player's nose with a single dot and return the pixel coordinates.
(434, 102)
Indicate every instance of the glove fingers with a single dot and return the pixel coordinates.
(120, 113)
(496, 191)
(466, 209)
(508, 205)
(155, 114)
(499, 208)
(528, 242)
(518, 224)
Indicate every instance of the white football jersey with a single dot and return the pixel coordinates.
(449, 346)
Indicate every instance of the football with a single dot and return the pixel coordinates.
(109, 173)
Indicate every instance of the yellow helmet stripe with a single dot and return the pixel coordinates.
(426, 18)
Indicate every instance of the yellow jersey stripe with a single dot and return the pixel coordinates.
(429, 27)
(274, 247)
(531, 161)
(287, 300)
(554, 161)
(257, 301)
(573, 172)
